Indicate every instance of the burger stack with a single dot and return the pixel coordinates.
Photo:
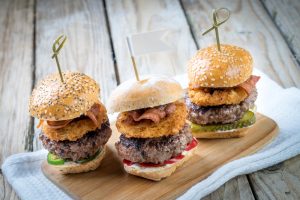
(74, 124)
(221, 93)
(155, 138)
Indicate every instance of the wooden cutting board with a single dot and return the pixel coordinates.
(110, 181)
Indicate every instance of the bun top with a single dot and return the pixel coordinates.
(150, 92)
(53, 100)
(215, 69)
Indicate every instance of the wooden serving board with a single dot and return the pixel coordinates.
(110, 181)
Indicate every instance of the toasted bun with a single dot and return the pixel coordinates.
(158, 173)
(53, 100)
(74, 168)
(222, 134)
(215, 69)
(150, 92)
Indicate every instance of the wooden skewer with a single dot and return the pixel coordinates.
(216, 24)
(132, 59)
(56, 51)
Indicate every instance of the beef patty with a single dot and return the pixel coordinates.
(154, 150)
(219, 114)
(80, 149)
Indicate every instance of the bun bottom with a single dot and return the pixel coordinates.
(73, 167)
(158, 173)
(236, 133)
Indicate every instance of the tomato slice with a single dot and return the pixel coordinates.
(191, 145)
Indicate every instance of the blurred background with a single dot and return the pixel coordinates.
(96, 31)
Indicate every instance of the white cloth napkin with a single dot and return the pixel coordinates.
(283, 105)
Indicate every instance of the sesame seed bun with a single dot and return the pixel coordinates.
(53, 100)
(149, 92)
(215, 69)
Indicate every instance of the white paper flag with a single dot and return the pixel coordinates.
(150, 42)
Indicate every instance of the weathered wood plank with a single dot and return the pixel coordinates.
(251, 27)
(237, 188)
(286, 15)
(16, 59)
(88, 47)
(141, 16)
(128, 17)
(279, 182)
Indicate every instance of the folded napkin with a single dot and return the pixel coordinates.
(283, 105)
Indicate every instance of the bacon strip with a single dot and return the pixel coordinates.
(154, 114)
(58, 124)
(249, 84)
(40, 123)
(92, 114)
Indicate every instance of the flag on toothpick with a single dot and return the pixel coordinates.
(146, 43)
(150, 42)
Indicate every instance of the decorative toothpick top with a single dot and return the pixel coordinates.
(217, 23)
(132, 59)
(57, 45)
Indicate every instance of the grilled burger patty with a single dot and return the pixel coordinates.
(154, 150)
(219, 114)
(80, 149)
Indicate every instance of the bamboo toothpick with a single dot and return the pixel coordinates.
(132, 59)
(216, 24)
(56, 50)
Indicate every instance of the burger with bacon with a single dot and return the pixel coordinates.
(155, 138)
(74, 123)
(221, 93)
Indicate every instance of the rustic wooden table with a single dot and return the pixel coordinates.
(96, 30)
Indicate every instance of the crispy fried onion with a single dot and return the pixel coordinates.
(249, 84)
(77, 128)
(169, 125)
(154, 114)
(223, 96)
(92, 114)
(217, 96)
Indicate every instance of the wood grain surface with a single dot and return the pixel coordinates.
(286, 15)
(286, 176)
(251, 28)
(16, 62)
(141, 16)
(237, 189)
(210, 155)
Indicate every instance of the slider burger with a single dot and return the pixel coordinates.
(155, 138)
(74, 124)
(221, 93)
